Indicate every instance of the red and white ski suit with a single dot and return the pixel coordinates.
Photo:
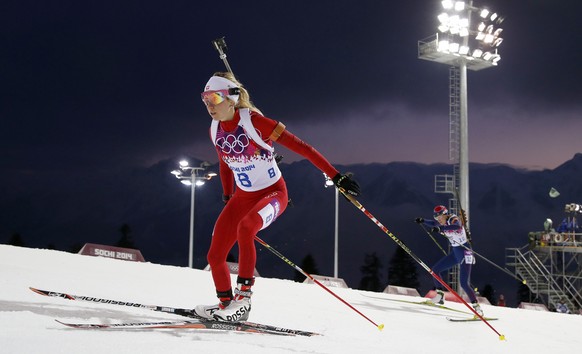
(260, 196)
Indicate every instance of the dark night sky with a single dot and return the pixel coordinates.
(100, 85)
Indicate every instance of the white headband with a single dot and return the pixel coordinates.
(220, 83)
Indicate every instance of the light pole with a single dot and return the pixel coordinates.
(329, 183)
(462, 44)
(192, 180)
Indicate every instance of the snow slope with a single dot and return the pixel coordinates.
(27, 319)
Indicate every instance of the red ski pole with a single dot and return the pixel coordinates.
(297, 268)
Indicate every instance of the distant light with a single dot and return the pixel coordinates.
(199, 182)
(447, 4)
(184, 163)
(459, 6)
(443, 46)
(186, 182)
(211, 174)
(443, 18)
(176, 173)
(458, 34)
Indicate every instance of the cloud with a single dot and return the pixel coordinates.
(385, 132)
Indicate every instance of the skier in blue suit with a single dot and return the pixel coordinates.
(450, 226)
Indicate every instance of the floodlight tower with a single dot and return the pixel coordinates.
(192, 180)
(463, 44)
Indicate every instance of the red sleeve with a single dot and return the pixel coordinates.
(264, 125)
(267, 125)
(295, 144)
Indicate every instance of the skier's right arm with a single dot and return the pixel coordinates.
(227, 179)
(429, 223)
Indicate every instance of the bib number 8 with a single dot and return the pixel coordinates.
(244, 180)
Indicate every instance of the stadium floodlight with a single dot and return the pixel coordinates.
(455, 26)
(443, 46)
(468, 38)
(189, 176)
(443, 18)
(447, 4)
(573, 208)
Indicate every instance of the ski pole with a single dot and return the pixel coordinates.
(220, 45)
(507, 271)
(432, 238)
(297, 268)
(418, 260)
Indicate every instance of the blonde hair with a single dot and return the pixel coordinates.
(244, 99)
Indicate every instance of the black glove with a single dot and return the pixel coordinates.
(436, 229)
(346, 183)
(419, 220)
(226, 198)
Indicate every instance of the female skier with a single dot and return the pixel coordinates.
(243, 139)
(450, 226)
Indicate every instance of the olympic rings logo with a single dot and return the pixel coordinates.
(233, 143)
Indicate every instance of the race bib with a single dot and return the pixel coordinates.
(269, 213)
(469, 258)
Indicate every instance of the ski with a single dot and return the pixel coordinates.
(470, 319)
(442, 307)
(424, 303)
(174, 310)
(195, 325)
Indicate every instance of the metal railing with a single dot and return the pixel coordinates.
(544, 277)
